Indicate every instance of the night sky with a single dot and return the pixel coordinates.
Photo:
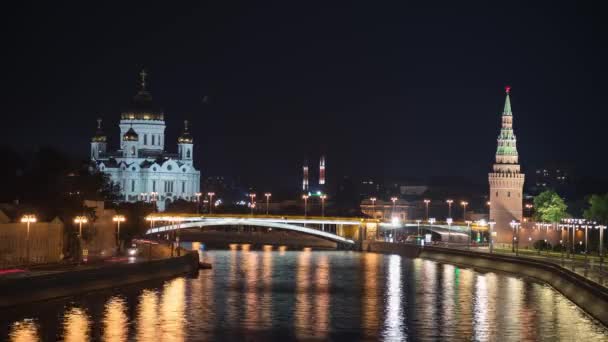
(396, 91)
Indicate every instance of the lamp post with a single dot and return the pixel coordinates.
(268, 194)
(601, 251)
(118, 219)
(426, 203)
(323, 197)
(529, 207)
(305, 198)
(431, 222)
(252, 195)
(373, 199)
(449, 221)
(470, 232)
(211, 194)
(491, 240)
(198, 202)
(449, 202)
(80, 220)
(464, 209)
(153, 197)
(515, 225)
(28, 219)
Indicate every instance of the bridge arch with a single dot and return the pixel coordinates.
(250, 222)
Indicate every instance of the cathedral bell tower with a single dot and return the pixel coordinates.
(99, 142)
(185, 145)
(506, 180)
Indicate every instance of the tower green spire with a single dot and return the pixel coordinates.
(507, 110)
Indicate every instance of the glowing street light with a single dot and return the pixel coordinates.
(305, 198)
(529, 207)
(449, 221)
(198, 201)
(515, 225)
(210, 194)
(394, 200)
(118, 219)
(323, 197)
(492, 223)
(426, 203)
(464, 209)
(268, 194)
(470, 233)
(28, 219)
(449, 202)
(252, 195)
(373, 199)
(80, 220)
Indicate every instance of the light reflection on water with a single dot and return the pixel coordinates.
(278, 295)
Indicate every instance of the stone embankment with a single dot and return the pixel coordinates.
(38, 286)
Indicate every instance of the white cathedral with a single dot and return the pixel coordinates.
(142, 168)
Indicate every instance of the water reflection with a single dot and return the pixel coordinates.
(393, 325)
(147, 316)
(370, 299)
(274, 295)
(116, 322)
(172, 311)
(76, 325)
(24, 331)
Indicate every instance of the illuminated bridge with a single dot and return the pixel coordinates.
(346, 230)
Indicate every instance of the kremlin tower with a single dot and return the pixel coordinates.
(506, 179)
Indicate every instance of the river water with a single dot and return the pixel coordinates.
(280, 295)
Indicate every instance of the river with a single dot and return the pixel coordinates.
(279, 295)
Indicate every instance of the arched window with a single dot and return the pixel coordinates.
(153, 139)
(132, 150)
(188, 154)
(145, 139)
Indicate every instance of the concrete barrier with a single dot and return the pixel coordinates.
(16, 291)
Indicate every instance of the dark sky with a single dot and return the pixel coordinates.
(402, 90)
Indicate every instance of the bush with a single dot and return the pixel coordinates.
(542, 245)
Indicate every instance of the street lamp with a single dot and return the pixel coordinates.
(449, 202)
(305, 198)
(394, 200)
(515, 225)
(323, 197)
(153, 197)
(252, 195)
(118, 219)
(529, 207)
(198, 201)
(449, 221)
(28, 219)
(80, 220)
(470, 232)
(210, 194)
(426, 203)
(268, 194)
(464, 209)
(373, 199)
(491, 241)
(431, 222)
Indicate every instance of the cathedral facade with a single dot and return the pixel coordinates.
(141, 167)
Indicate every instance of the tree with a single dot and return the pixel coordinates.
(598, 209)
(549, 207)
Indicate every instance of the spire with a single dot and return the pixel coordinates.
(507, 110)
(143, 75)
(185, 137)
(99, 136)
